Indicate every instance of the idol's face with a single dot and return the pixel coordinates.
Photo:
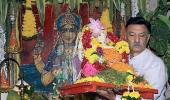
(137, 37)
(68, 37)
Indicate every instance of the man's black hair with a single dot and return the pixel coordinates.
(140, 21)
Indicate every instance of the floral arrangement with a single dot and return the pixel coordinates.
(105, 58)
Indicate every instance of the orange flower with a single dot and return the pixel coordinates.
(120, 66)
(111, 55)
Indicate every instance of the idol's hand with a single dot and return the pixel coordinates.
(55, 71)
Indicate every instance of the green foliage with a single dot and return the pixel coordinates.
(138, 79)
(142, 5)
(29, 91)
(41, 10)
(112, 76)
(39, 96)
(166, 58)
(12, 95)
(3, 12)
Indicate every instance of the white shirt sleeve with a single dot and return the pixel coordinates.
(118, 97)
(157, 77)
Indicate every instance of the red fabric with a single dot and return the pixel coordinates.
(96, 14)
(26, 54)
(64, 7)
(49, 19)
(35, 12)
(84, 13)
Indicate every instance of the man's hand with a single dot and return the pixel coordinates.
(108, 94)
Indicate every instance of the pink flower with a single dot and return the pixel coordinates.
(89, 70)
(96, 27)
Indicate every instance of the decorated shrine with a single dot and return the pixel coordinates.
(70, 49)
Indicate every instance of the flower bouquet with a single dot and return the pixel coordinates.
(104, 59)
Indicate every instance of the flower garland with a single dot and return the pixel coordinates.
(131, 96)
(86, 38)
(29, 24)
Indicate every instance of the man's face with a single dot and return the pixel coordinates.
(137, 36)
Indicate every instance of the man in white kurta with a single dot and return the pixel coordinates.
(145, 62)
(153, 69)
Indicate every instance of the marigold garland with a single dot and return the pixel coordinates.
(90, 79)
(122, 46)
(29, 24)
(111, 55)
(120, 66)
(131, 96)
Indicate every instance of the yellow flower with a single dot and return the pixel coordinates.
(110, 44)
(29, 24)
(123, 99)
(122, 46)
(89, 52)
(134, 95)
(97, 79)
(93, 58)
(95, 43)
(126, 94)
(88, 79)
(130, 78)
(105, 20)
(28, 3)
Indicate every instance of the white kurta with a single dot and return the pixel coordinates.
(153, 69)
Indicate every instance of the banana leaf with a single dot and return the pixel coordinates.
(165, 19)
(41, 10)
(142, 5)
(167, 61)
(158, 45)
(111, 10)
(72, 4)
(117, 4)
(78, 2)
(3, 12)
(159, 36)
